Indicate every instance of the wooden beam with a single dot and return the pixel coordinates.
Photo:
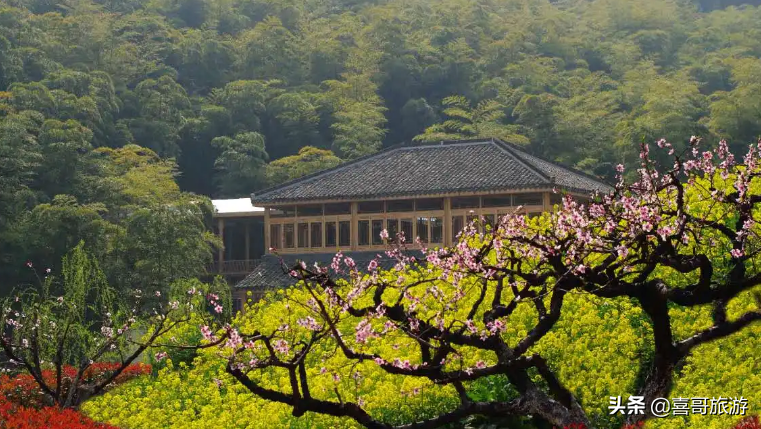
(414, 196)
(267, 239)
(354, 226)
(447, 229)
(221, 256)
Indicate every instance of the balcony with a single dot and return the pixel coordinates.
(233, 268)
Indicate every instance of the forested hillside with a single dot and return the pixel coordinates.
(110, 107)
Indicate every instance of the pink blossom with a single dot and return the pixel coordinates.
(207, 334)
(364, 331)
(281, 346)
(235, 340)
(309, 323)
(736, 253)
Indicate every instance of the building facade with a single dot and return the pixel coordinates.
(428, 191)
(240, 225)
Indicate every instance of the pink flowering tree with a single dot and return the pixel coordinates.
(681, 236)
(78, 320)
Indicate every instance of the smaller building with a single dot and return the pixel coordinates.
(428, 191)
(241, 227)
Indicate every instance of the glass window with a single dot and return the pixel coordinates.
(422, 228)
(377, 228)
(344, 233)
(276, 240)
(364, 232)
(316, 234)
(406, 227)
(337, 209)
(237, 305)
(457, 226)
(370, 207)
(556, 199)
(303, 235)
(331, 234)
(429, 204)
(437, 230)
(400, 206)
(465, 202)
(287, 211)
(528, 199)
(496, 201)
(309, 210)
(392, 226)
(288, 235)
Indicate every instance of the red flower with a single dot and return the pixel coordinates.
(749, 423)
(24, 390)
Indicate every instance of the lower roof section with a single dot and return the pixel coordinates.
(272, 271)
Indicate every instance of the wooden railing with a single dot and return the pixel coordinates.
(244, 266)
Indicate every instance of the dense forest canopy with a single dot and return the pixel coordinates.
(114, 110)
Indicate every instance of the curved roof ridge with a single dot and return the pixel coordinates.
(517, 148)
(504, 146)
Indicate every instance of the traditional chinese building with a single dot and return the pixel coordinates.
(241, 227)
(429, 191)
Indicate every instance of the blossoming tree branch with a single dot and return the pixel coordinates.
(72, 324)
(683, 236)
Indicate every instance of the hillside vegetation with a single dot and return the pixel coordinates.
(115, 107)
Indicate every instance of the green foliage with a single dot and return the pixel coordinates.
(579, 348)
(241, 162)
(309, 160)
(465, 122)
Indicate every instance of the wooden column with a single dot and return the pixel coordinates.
(447, 222)
(267, 238)
(248, 241)
(546, 201)
(354, 226)
(221, 257)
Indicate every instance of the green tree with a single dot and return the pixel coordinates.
(291, 123)
(271, 51)
(165, 243)
(308, 160)
(466, 121)
(162, 103)
(241, 164)
(358, 114)
(80, 319)
(64, 146)
(734, 114)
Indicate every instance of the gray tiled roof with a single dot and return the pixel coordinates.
(488, 165)
(271, 273)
